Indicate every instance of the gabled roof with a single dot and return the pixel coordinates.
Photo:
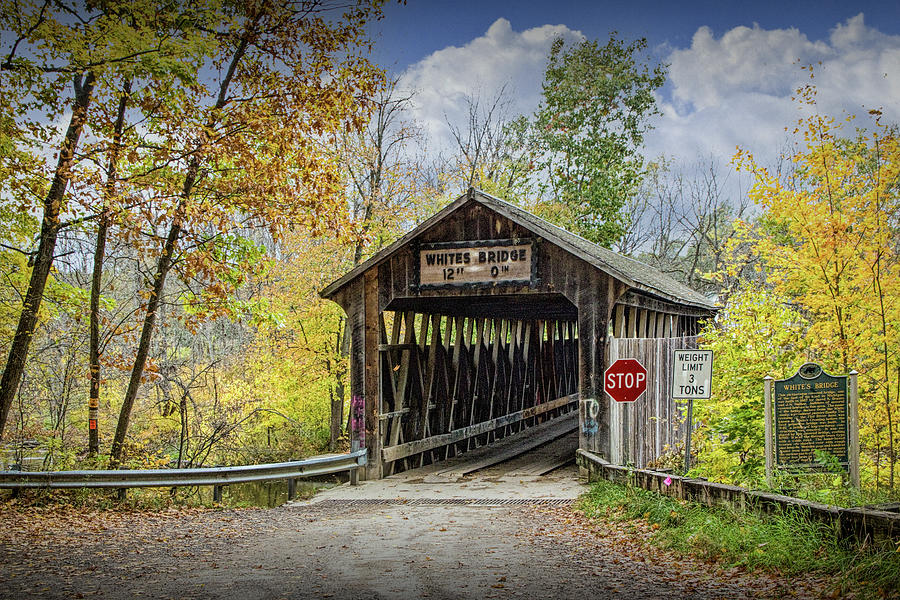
(633, 273)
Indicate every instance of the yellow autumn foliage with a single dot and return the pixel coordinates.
(827, 242)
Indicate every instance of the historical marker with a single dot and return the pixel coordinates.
(811, 411)
(492, 262)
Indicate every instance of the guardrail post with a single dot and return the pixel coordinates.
(217, 493)
(292, 488)
(123, 494)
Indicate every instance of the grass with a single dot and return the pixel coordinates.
(787, 542)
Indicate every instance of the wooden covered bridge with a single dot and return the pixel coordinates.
(486, 321)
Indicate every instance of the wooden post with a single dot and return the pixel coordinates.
(620, 321)
(123, 494)
(371, 376)
(593, 317)
(651, 324)
(217, 493)
(633, 316)
(770, 450)
(854, 431)
(292, 488)
(615, 410)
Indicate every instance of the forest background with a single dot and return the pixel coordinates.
(175, 188)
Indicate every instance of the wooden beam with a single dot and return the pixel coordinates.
(389, 347)
(408, 449)
(388, 415)
(638, 300)
(372, 391)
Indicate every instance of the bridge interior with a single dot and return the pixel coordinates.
(453, 383)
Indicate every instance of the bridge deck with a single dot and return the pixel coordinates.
(505, 450)
(514, 470)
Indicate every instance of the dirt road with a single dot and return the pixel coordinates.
(474, 538)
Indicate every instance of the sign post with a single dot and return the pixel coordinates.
(625, 380)
(770, 458)
(691, 378)
(854, 430)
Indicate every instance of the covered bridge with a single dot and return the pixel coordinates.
(486, 320)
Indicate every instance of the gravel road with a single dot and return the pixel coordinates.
(405, 541)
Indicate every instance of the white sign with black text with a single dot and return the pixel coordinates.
(475, 262)
(692, 373)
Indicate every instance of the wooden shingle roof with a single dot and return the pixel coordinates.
(633, 273)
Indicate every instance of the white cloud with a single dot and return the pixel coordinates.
(500, 57)
(736, 90)
(743, 61)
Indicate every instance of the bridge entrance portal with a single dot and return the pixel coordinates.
(486, 321)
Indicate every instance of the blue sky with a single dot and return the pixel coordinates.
(732, 65)
(410, 32)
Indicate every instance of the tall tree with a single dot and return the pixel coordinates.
(493, 151)
(103, 224)
(590, 128)
(245, 148)
(385, 192)
(480, 141)
(55, 57)
(682, 219)
(828, 240)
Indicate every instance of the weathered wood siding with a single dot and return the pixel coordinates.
(654, 424)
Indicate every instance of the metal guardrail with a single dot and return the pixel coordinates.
(214, 476)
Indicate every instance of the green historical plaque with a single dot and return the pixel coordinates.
(811, 413)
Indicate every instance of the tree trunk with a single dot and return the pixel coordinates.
(97, 276)
(182, 438)
(43, 261)
(165, 260)
(163, 265)
(94, 358)
(340, 391)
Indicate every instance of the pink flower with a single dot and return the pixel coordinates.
(667, 481)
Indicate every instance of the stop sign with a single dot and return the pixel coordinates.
(625, 380)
